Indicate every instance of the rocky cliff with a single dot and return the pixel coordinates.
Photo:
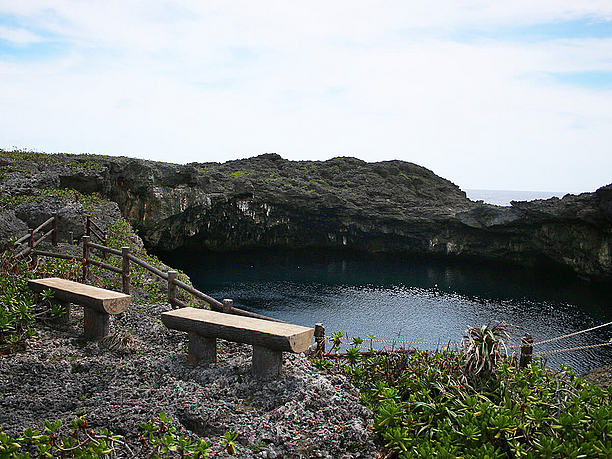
(267, 201)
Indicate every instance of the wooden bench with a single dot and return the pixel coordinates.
(98, 303)
(269, 339)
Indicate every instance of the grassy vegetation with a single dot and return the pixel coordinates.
(17, 300)
(121, 234)
(476, 403)
(27, 155)
(159, 438)
(19, 306)
(87, 200)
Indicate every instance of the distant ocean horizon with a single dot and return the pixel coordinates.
(503, 197)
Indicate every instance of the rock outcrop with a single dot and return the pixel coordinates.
(390, 206)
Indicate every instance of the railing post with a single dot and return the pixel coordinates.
(32, 254)
(85, 258)
(227, 305)
(526, 351)
(55, 235)
(71, 237)
(125, 270)
(104, 253)
(319, 335)
(88, 226)
(171, 287)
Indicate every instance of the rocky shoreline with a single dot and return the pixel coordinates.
(344, 203)
(141, 369)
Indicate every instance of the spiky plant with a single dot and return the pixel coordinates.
(484, 350)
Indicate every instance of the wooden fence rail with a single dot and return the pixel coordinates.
(173, 283)
(103, 248)
(22, 239)
(33, 242)
(188, 288)
(144, 264)
(92, 228)
(42, 225)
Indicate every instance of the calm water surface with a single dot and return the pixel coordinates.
(408, 299)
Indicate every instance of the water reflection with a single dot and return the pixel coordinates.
(418, 300)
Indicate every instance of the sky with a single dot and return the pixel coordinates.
(488, 94)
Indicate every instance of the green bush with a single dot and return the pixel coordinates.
(160, 439)
(16, 302)
(19, 306)
(424, 407)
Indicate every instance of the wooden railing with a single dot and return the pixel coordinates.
(170, 277)
(33, 242)
(93, 229)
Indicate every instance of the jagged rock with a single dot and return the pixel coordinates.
(346, 203)
(302, 414)
(11, 226)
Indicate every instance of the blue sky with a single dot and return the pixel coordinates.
(491, 95)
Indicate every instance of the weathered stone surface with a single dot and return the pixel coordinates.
(142, 369)
(11, 226)
(391, 206)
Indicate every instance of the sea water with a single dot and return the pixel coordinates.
(410, 301)
(504, 197)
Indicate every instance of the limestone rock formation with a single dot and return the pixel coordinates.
(390, 206)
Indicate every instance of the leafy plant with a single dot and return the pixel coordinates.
(322, 364)
(423, 407)
(484, 349)
(162, 437)
(336, 339)
(159, 440)
(16, 302)
(229, 441)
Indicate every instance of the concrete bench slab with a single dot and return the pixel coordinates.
(98, 303)
(269, 339)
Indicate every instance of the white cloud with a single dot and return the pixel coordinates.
(193, 81)
(18, 36)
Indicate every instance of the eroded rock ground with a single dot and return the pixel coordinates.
(141, 369)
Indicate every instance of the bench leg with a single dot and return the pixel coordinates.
(267, 363)
(202, 349)
(95, 323)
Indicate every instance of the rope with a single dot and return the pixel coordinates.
(577, 348)
(397, 341)
(571, 334)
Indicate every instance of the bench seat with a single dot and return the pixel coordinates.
(98, 303)
(269, 339)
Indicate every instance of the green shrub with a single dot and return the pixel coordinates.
(424, 407)
(160, 439)
(16, 302)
